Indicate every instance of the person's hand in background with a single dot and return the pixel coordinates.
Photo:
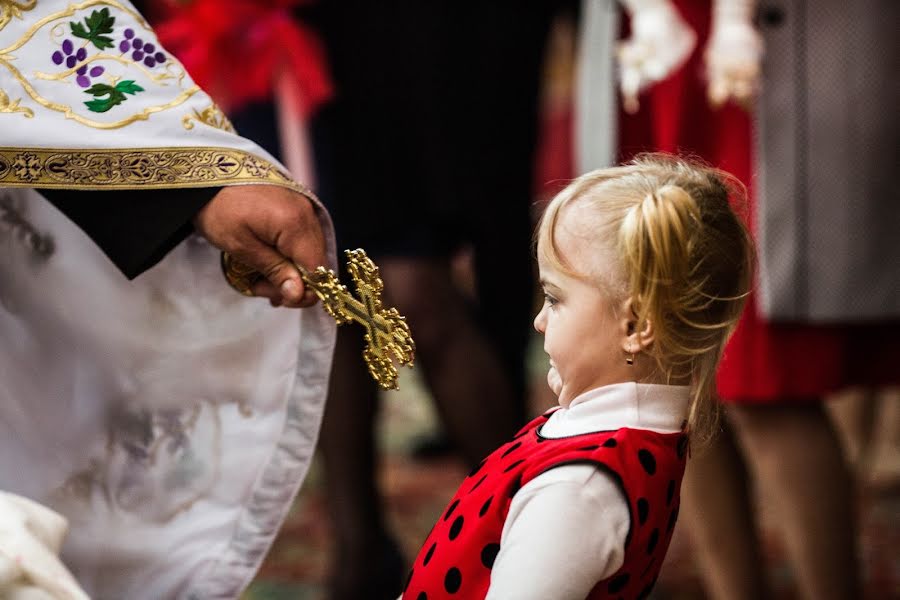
(659, 43)
(268, 228)
(733, 53)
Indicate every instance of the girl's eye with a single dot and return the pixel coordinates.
(549, 300)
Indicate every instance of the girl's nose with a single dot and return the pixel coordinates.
(539, 321)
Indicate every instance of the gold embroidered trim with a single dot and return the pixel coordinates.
(13, 8)
(144, 168)
(212, 115)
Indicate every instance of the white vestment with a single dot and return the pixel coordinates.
(169, 419)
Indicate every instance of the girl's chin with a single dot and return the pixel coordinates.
(554, 381)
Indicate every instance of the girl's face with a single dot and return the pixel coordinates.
(584, 332)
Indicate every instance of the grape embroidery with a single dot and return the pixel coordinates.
(95, 31)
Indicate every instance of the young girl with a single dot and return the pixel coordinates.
(645, 268)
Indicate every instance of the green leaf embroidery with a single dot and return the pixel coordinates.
(129, 87)
(115, 95)
(99, 23)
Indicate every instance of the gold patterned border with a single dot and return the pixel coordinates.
(144, 168)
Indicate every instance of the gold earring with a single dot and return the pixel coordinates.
(629, 360)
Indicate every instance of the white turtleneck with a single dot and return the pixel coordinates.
(566, 528)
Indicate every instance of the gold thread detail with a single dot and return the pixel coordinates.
(144, 168)
(70, 114)
(13, 8)
(7, 106)
(387, 334)
(5, 61)
(73, 8)
(212, 116)
(62, 75)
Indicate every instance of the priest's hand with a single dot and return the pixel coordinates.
(267, 227)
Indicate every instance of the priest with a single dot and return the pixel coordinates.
(168, 418)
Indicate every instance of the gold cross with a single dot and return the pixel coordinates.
(387, 334)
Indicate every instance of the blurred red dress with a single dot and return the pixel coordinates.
(764, 362)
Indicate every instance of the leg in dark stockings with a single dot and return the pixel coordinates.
(795, 456)
(366, 562)
(465, 375)
(717, 509)
(505, 286)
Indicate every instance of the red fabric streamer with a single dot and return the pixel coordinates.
(236, 49)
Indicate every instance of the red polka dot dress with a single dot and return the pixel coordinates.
(457, 558)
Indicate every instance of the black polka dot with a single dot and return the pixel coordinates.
(515, 487)
(513, 465)
(618, 583)
(610, 443)
(654, 539)
(477, 467)
(670, 492)
(480, 481)
(682, 446)
(489, 555)
(450, 509)
(647, 461)
(672, 518)
(453, 580)
(408, 579)
(588, 448)
(643, 510)
(485, 507)
(422, 596)
(456, 527)
(511, 449)
(429, 554)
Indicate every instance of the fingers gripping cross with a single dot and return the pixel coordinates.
(387, 334)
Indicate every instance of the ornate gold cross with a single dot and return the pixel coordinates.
(387, 334)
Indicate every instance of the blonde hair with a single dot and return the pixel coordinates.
(683, 256)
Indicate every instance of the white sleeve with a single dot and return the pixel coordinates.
(565, 531)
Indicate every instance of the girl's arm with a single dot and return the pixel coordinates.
(565, 532)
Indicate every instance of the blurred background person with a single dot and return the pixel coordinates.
(426, 150)
(827, 266)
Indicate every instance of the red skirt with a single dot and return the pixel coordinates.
(764, 362)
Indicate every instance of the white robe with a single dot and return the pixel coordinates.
(169, 419)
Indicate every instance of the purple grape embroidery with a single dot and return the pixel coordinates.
(95, 30)
(141, 51)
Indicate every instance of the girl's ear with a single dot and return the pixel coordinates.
(634, 340)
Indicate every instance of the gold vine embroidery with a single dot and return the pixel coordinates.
(7, 106)
(146, 168)
(211, 115)
(6, 59)
(13, 8)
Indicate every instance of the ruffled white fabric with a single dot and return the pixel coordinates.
(170, 419)
(30, 538)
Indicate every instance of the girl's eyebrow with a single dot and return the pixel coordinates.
(548, 284)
